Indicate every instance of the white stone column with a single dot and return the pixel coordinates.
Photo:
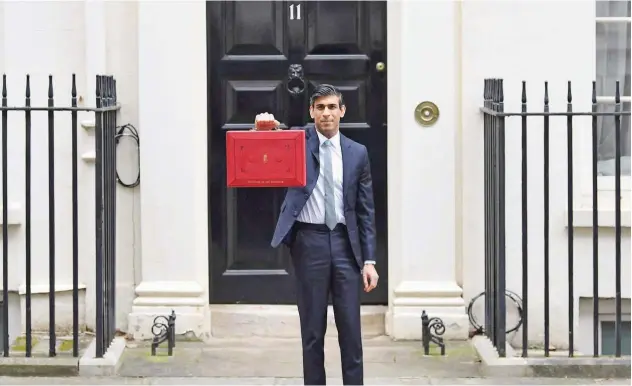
(172, 119)
(423, 64)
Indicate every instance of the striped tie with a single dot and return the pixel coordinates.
(330, 210)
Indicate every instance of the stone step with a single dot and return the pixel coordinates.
(282, 358)
(274, 321)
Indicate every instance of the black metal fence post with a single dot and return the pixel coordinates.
(105, 199)
(570, 227)
(595, 219)
(494, 139)
(547, 272)
(75, 220)
(27, 215)
(5, 222)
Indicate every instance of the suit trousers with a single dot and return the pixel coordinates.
(324, 265)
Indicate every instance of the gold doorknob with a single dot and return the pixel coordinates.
(380, 66)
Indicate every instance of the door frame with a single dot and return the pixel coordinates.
(209, 154)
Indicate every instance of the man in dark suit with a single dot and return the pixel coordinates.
(329, 226)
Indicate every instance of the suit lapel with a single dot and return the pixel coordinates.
(314, 144)
(347, 164)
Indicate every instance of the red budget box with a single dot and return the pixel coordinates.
(257, 159)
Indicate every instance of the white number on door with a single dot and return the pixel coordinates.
(298, 12)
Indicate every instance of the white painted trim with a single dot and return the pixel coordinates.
(15, 214)
(170, 288)
(582, 218)
(44, 289)
(609, 19)
(606, 183)
(604, 99)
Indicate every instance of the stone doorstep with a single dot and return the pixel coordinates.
(552, 367)
(281, 358)
(274, 321)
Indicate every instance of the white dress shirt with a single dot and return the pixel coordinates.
(314, 210)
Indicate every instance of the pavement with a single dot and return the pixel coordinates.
(279, 361)
(298, 381)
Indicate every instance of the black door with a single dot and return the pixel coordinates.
(251, 46)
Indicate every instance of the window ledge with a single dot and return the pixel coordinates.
(582, 218)
(606, 183)
(14, 214)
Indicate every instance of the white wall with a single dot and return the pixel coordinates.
(62, 38)
(535, 41)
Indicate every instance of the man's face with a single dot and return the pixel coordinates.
(326, 113)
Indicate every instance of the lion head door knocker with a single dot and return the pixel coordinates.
(295, 80)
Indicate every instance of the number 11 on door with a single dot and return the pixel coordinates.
(298, 12)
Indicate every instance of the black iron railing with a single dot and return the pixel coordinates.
(105, 207)
(495, 263)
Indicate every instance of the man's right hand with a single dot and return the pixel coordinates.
(266, 121)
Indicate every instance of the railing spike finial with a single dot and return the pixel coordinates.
(114, 89)
(617, 93)
(73, 91)
(98, 91)
(111, 88)
(569, 96)
(28, 87)
(98, 86)
(105, 91)
(50, 86)
(524, 92)
(486, 92)
(546, 93)
(4, 85)
(594, 92)
(501, 93)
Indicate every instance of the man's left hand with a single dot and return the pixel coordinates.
(370, 276)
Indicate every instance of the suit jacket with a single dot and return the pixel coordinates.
(359, 209)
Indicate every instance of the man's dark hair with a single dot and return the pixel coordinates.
(326, 90)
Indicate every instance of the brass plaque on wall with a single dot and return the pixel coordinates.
(426, 113)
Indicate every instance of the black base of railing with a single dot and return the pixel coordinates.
(431, 331)
(166, 331)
